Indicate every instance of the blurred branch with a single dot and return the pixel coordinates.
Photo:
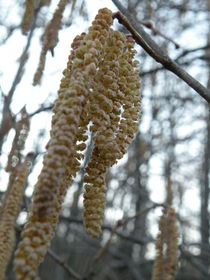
(191, 259)
(155, 31)
(117, 255)
(41, 109)
(186, 52)
(118, 225)
(183, 54)
(149, 45)
(10, 31)
(66, 267)
(106, 227)
(23, 60)
(7, 120)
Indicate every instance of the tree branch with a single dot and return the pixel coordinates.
(155, 31)
(109, 228)
(69, 270)
(147, 43)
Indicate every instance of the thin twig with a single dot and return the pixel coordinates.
(109, 228)
(148, 44)
(23, 60)
(16, 81)
(41, 109)
(184, 63)
(155, 31)
(68, 269)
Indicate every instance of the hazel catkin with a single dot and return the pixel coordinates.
(113, 130)
(100, 90)
(10, 213)
(72, 97)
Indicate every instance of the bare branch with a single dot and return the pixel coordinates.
(109, 228)
(119, 224)
(66, 267)
(155, 31)
(148, 44)
(23, 60)
(191, 259)
(41, 109)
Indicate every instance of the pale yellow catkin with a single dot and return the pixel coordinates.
(50, 39)
(9, 215)
(171, 258)
(166, 260)
(157, 273)
(21, 133)
(38, 233)
(116, 88)
(28, 15)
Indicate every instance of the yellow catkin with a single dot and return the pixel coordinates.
(130, 88)
(166, 260)
(10, 214)
(21, 133)
(171, 258)
(72, 164)
(44, 3)
(37, 233)
(157, 273)
(28, 15)
(116, 87)
(50, 39)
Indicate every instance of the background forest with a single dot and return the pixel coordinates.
(168, 162)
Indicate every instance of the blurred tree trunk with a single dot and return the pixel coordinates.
(140, 228)
(205, 175)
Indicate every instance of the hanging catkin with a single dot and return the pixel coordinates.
(28, 15)
(100, 87)
(62, 145)
(50, 39)
(114, 130)
(21, 133)
(166, 260)
(10, 213)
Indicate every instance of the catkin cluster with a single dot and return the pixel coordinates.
(99, 88)
(166, 261)
(114, 111)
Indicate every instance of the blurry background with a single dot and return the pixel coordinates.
(169, 155)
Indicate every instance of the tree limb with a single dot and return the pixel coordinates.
(149, 45)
